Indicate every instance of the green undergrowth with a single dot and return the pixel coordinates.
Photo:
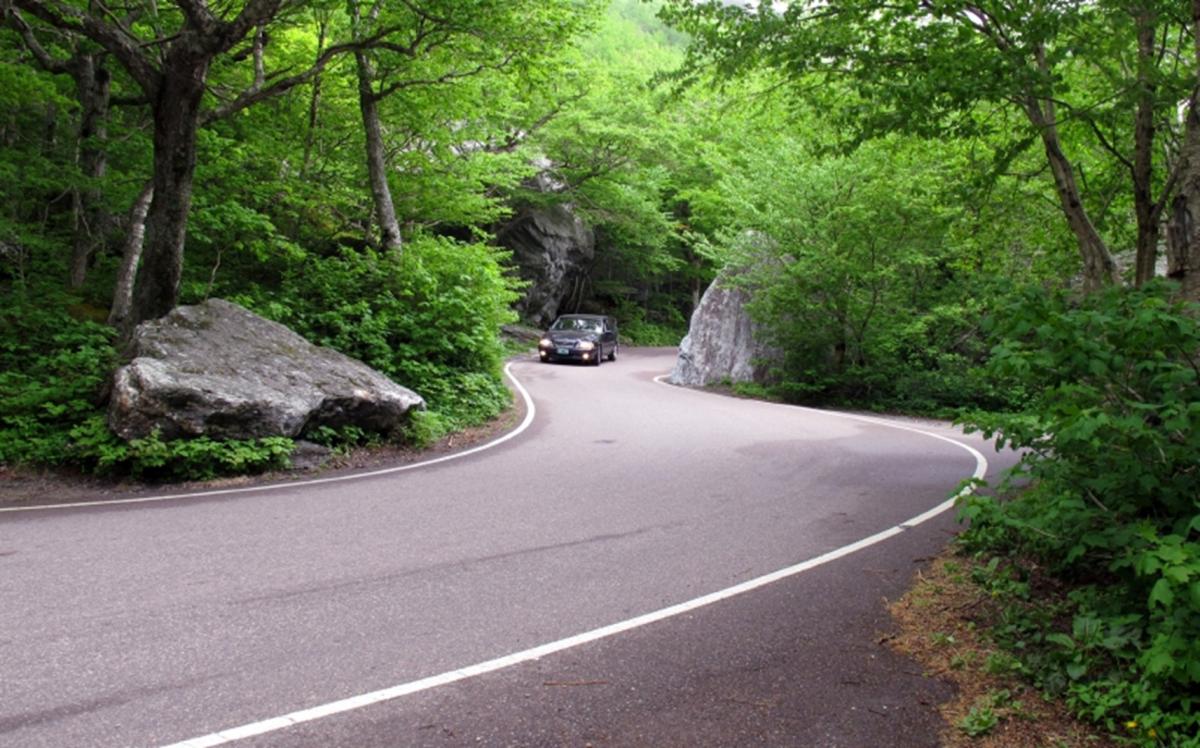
(428, 318)
(641, 328)
(54, 364)
(1109, 508)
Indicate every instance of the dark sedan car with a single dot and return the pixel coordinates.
(580, 337)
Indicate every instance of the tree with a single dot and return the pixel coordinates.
(440, 43)
(1184, 230)
(169, 54)
(935, 69)
(87, 67)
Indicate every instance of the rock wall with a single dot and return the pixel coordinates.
(552, 248)
(721, 343)
(219, 370)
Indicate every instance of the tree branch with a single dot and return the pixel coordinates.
(49, 63)
(392, 88)
(519, 135)
(255, 13)
(198, 16)
(114, 39)
(255, 94)
(1107, 144)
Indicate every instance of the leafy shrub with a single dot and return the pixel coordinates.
(637, 328)
(1110, 437)
(52, 369)
(924, 355)
(200, 458)
(428, 317)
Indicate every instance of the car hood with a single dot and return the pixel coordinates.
(570, 337)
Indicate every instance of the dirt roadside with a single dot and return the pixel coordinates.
(943, 620)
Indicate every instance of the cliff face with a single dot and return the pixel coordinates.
(552, 248)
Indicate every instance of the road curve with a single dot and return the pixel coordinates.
(150, 624)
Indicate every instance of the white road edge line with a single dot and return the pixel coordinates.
(530, 411)
(404, 689)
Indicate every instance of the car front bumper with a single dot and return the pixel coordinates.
(561, 353)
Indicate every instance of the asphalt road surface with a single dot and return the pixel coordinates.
(344, 613)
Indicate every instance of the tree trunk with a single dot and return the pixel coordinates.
(1184, 246)
(122, 304)
(92, 90)
(176, 120)
(1145, 212)
(1099, 268)
(314, 105)
(368, 102)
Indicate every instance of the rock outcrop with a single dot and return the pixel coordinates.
(219, 370)
(552, 248)
(721, 344)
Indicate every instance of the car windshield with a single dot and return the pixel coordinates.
(578, 324)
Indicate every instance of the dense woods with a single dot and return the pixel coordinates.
(985, 210)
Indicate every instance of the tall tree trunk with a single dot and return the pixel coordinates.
(314, 104)
(1184, 246)
(176, 121)
(1099, 268)
(92, 90)
(1145, 211)
(118, 315)
(368, 102)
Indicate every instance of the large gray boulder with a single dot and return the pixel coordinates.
(219, 370)
(723, 343)
(552, 248)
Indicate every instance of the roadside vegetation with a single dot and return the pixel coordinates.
(285, 217)
(1110, 437)
(959, 210)
(967, 220)
(953, 621)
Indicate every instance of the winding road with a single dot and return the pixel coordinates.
(640, 565)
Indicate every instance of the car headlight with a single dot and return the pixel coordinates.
(546, 343)
(586, 345)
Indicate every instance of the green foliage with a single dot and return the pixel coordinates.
(425, 427)
(1109, 436)
(980, 720)
(667, 329)
(973, 71)
(428, 318)
(52, 368)
(989, 711)
(342, 439)
(852, 265)
(200, 458)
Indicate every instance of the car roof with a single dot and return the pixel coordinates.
(583, 316)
